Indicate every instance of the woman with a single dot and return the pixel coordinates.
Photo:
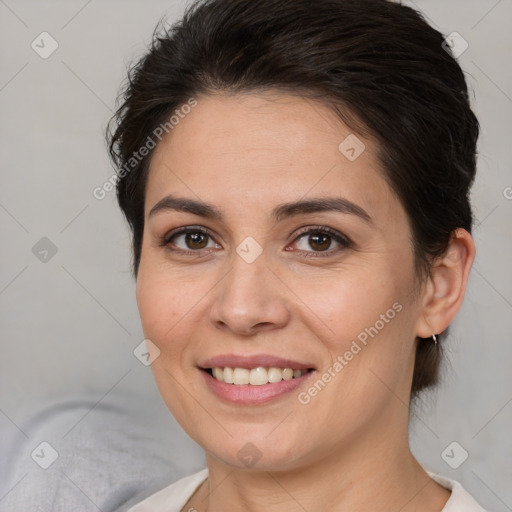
(296, 178)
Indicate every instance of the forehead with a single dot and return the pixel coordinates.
(262, 149)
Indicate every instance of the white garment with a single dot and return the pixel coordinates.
(174, 497)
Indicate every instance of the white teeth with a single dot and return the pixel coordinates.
(258, 376)
(275, 374)
(227, 375)
(240, 376)
(287, 374)
(255, 376)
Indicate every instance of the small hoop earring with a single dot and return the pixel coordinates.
(434, 337)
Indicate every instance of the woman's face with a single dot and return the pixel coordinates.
(298, 256)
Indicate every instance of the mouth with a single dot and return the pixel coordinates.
(258, 376)
(253, 380)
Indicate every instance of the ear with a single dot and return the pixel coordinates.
(445, 289)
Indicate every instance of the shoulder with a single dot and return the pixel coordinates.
(173, 497)
(460, 500)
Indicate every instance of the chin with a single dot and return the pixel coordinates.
(255, 449)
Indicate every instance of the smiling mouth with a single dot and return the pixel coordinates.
(255, 376)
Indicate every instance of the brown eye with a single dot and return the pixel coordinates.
(196, 240)
(315, 241)
(189, 240)
(321, 240)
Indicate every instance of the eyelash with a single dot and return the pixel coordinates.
(345, 242)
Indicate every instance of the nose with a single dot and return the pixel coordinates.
(249, 299)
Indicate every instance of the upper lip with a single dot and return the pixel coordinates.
(253, 361)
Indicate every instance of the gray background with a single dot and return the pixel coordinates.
(70, 324)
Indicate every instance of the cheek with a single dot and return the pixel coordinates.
(363, 316)
(163, 296)
(171, 305)
(161, 306)
(347, 301)
(153, 300)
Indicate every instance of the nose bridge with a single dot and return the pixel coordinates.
(246, 280)
(247, 297)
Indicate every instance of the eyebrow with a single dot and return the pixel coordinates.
(280, 212)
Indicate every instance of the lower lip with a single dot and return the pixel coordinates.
(247, 394)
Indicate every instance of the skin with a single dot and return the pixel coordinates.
(347, 449)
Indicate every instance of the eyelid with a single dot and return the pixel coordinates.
(185, 229)
(165, 240)
(342, 239)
